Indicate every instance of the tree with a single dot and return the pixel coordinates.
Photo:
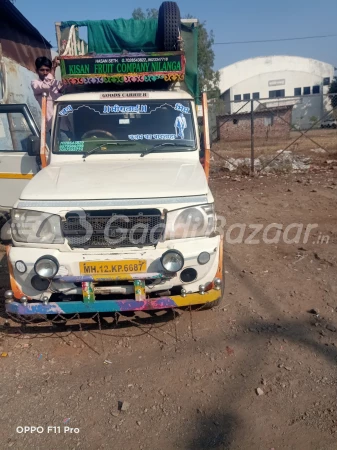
(208, 77)
(150, 13)
(333, 90)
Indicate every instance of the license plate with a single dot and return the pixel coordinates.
(112, 267)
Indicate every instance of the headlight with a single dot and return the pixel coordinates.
(36, 227)
(172, 261)
(46, 267)
(191, 222)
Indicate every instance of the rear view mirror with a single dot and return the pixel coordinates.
(33, 146)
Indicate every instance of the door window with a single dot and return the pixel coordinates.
(14, 132)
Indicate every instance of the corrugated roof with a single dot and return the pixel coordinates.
(13, 16)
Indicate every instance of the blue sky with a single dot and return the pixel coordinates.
(230, 20)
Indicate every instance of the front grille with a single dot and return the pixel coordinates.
(113, 229)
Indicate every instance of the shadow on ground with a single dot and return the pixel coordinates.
(223, 429)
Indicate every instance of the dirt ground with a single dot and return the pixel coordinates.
(318, 144)
(189, 380)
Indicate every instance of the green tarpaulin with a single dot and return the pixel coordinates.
(114, 36)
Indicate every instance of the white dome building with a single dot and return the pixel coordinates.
(278, 81)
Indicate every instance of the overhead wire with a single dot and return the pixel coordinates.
(275, 40)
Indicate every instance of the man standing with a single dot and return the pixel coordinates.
(180, 125)
(46, 84)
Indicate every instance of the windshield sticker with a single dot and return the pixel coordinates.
(125, 109)
(71, 146)
(65, 111)
(157, 137)
(180, 125)
(138, 109)
(181, 108)
(124, 121)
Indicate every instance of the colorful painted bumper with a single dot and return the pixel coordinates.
(105, 306)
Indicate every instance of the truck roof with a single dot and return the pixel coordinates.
(125, 95)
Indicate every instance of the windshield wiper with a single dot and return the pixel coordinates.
(152, 149)
(90, 152)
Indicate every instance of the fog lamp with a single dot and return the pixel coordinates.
(172, 261)
(46, 266)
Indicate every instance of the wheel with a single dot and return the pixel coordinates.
(334, 126)
(169, 25)
(322, 126)
(93, 133)
(211, 305)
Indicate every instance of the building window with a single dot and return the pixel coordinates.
(298, 91)
(276, 94)
(315, 89)
(256, 95)
(326, 81)
(237, 98)
(246, 96)
(269, 121)
(306, 90)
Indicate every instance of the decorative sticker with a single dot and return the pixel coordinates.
(158, 137)
(138, 109)
(124, 109)
(180, 125)
(181, 108)
(71, 146)
(65, 111)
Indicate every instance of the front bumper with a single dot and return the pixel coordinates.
(106, 306)
(70, 273)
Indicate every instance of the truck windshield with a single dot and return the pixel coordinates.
(136, 125)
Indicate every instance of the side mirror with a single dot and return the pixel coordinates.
(33, 146)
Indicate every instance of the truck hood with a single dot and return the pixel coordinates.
(141, 178)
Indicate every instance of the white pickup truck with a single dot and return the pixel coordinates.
(121, 217)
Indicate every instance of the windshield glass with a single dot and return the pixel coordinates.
(124, 127)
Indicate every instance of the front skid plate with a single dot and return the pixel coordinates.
(74, 307)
